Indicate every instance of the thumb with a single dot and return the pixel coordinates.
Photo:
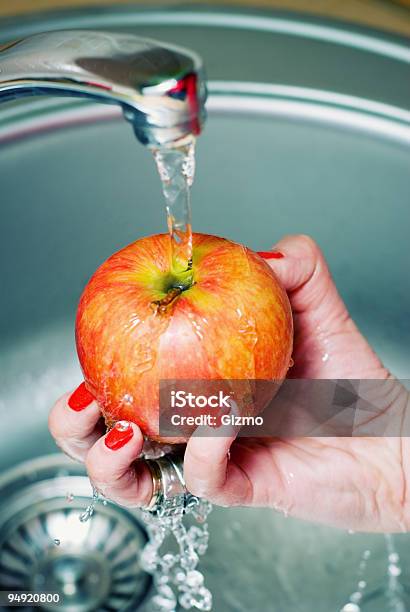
(206, 463)
(208, 471)
(300, 265)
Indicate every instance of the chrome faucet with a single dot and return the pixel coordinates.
(160, 87)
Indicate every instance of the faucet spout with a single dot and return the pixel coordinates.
(160, 87)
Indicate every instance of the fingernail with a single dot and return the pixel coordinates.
(119, 435)
(271, 254)
(80, 398)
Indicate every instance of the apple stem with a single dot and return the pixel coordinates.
(161, 306)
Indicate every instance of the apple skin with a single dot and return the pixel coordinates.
(234, 322)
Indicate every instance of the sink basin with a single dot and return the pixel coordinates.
(308, 131)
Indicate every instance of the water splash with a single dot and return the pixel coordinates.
(155, 450)
(176, 167)
(355, 599)
(176, 578)
(395, 591)
(89, 511)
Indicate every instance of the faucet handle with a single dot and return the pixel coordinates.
(161, 87)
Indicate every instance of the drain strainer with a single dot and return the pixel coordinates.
(44, 547)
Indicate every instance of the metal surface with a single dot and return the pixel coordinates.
(160, 87)
(307, 132)
(170, 495)
(45, 548)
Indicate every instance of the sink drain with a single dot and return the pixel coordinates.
(44, 547)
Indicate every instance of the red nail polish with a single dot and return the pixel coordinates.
(80, 398)
(271, 254)
(119, 435)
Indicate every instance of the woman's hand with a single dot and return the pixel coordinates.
(112, 459)
(355, 483)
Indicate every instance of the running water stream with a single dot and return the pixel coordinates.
(176, 167)
(176, 578)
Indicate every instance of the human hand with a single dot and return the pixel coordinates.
(356, 483)
(111, 458)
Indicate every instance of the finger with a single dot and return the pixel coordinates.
(74, 422)
(113, 470)
(304, 273)
(209, 473)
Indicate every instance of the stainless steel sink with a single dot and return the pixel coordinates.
(44, 547)
(308, 131)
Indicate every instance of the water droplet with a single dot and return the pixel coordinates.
(247, 329)
(195, 325)
(291, 363)
(325, 357)
(351, 607)
(194, 579)
(394, 570)
(122, 425)
(356, 597)
(89, 511)
(394, 558)
(164, 601)
(362, 584)
(57, 542)
(180, 577)
(69, 497)
(351, 532)
(189, 559)
(186, 601)
(127, 398)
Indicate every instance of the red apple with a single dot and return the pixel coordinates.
(234, 322)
